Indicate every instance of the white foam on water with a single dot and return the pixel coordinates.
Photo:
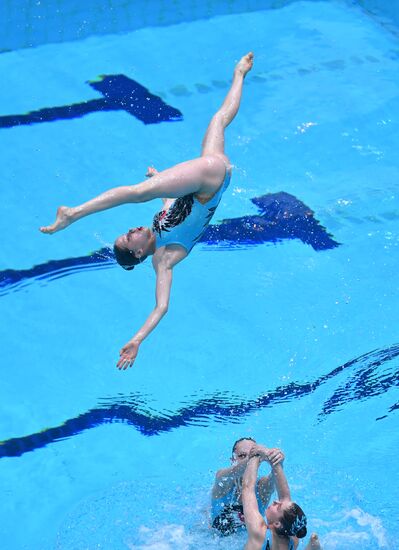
(345, 540)
(367, 520)
(179, 537)
(343, 533)
(166, 537)
(126, 517)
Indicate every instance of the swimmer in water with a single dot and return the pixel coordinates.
(284, 522)
(194, 189)
(227, 513)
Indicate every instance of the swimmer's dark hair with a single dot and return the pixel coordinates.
(126, 258)
(239, 441)
(293, 523)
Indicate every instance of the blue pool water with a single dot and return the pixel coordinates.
(271, 336)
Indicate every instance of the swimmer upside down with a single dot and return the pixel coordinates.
(193, 188)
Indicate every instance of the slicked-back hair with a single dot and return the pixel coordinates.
(239, 441)
(293, 522)
(126, 258)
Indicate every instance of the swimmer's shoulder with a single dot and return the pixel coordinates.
(166, 257)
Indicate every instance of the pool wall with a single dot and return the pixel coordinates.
(30, 23)
(384, 8)
(34, 22)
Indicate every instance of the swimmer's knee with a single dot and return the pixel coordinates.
(138, 193)
(219, 120)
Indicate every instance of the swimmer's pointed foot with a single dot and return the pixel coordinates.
(314, 542)
(245, 64)
(151, 171)
(63, 219)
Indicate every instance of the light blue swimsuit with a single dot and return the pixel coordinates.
(186, 219)
(267, 545)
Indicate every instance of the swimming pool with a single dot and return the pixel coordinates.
(275, 336)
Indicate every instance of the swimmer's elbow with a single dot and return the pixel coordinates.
(162, 309)
(248, 485)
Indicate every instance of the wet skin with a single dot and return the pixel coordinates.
(275, 511)
(137, 239)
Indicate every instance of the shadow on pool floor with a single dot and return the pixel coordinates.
(280, 216)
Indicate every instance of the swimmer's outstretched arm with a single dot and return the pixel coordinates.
(275, 458)
(254, 522)
(130, 350)
(281, 482)
(267, 484)
(163, 266)
(225, 478)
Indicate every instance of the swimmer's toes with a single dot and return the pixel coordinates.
(314, 541)
(246, 62)
(45, 229)
(151, 171)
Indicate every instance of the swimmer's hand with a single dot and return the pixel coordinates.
(128, 355)
(272, 456)
(275, 456)
(63, 219)
(151, 171)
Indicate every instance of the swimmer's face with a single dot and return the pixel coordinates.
(275, 512)
(139, 241)
(242, 450)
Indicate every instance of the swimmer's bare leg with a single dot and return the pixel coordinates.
(213, 142)
(314, 543)
(65, 215)
(187, 177)
(151, 171)
(182, 179)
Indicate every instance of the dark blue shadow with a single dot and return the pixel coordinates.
(281, 216)
(120, 94)
(369, 375)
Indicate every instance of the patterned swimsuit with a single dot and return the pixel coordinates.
(186, 219)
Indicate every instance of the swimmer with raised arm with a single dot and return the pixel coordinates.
(227, 516)
(194, 189)
(284, 522)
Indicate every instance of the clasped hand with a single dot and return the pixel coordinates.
(272, 456)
